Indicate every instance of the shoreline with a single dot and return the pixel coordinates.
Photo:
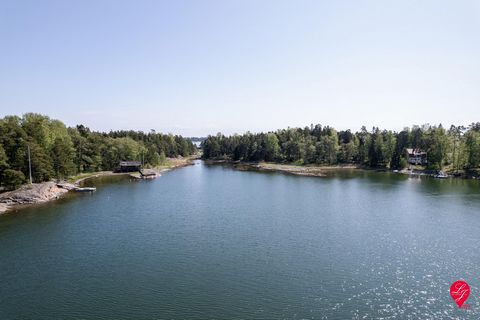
(320, 170)
(299, 170)
(37, 193)
(94, 175)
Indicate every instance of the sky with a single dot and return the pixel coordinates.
(201, 67)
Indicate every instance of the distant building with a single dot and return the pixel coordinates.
(416, 156)
(129, 166)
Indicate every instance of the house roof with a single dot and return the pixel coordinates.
(415, 152)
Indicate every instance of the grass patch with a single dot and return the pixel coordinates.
(72, 179)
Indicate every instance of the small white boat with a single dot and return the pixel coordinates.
(440, 175)
(86, 189)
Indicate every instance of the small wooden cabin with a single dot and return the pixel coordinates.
(129, 166)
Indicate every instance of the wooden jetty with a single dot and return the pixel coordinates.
(85, 189)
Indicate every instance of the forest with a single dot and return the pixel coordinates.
(456, 149)
(58, 151)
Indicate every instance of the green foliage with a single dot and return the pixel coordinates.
(3, 165)
(327, 147)
(272, 149)
(162, 159)
(13, 138)
(398, 156)
(457, 146)
(348, 147)
(472, 143)
(155, 159)
(42, 163)
(12, 179)
(377, 148)
(435, 143)
(62, 157)
(58, 152)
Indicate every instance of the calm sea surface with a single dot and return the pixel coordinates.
(207, 242)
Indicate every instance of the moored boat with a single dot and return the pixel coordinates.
(86, 189)
(440, 175)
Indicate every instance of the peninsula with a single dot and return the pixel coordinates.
(38, 155)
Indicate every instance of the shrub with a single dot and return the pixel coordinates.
(12, 178)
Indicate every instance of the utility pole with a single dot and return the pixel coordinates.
(80, 158)
(29, 165)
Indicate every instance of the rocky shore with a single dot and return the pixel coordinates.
(322, 170)
(309, 170)
(32, 194)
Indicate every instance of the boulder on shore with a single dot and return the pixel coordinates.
(33, 193)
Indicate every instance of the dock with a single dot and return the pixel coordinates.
(85, 189)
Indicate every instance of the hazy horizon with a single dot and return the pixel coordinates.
(198, 68)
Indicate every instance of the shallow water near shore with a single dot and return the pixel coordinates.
(213, 242)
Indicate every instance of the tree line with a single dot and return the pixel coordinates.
(58, 152)
(458, 147)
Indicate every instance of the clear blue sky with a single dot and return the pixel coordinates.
(199, 67)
